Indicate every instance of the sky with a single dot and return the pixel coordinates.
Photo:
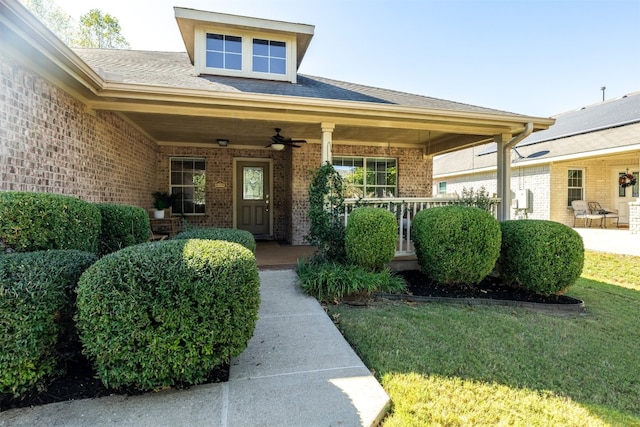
(533, 57)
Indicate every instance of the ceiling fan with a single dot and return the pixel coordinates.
(279, 142)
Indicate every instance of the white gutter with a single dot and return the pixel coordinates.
(504, 172)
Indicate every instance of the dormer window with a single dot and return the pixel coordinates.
(219, 44)
(269, 56)
(224, 52)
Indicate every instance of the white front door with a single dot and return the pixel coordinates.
(624, 193)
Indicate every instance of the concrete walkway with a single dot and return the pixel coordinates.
(616, 241)
(296, 371)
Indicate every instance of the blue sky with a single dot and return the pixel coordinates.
(535, 57)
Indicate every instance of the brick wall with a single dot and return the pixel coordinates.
(414, 177)
(600, 183)
(219, 169)
(48, 143)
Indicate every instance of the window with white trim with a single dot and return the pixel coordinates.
(188, 185)
(368, 176)
(442, 187)
(575, 185)
(269, 56)
(224, 52)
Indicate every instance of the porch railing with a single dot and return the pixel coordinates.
(405, 210)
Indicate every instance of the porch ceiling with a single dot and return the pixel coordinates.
(250, 122)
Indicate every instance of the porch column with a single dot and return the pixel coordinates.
(503, 176)
(327, 132)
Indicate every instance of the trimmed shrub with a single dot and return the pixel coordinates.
(36, 314)
(541, 256)
(122, 226)
(331, 282)
(169, 312)
(456, 244)
(370, 237)
(39, 221)
(242, 237)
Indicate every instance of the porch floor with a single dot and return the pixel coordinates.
(274, 255)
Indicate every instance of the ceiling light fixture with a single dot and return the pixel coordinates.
(278, 147)
(223, 142)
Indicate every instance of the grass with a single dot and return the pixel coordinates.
(461, 365)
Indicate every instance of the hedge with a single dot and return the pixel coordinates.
(41, 221)
(122, 226)
(242, 237)
(165, 313)
(36, 309)
(456, 244)
(541, 256)
(371, 236)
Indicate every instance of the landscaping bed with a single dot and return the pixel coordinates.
(490, 291)
(80, 382)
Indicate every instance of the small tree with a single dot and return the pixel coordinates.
(56, 19)
(98, 30)
(326, 211)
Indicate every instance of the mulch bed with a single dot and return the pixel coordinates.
(80, 383)
(419, 284)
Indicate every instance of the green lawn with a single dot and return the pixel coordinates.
(461, 365)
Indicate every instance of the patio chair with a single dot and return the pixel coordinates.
(581, 211)
(608, 213)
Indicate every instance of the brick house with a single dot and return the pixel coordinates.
(584, 156)
(117, 125)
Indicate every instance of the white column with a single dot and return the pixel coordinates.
(327, 132)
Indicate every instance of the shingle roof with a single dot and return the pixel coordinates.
(173, 69)
(612, 124)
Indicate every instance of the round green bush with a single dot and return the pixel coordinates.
(456, 244)
(169, 312)
(370, 237)
(242, 237)
(36, 314)
(122, 226)
(541, 256)
(39, 221)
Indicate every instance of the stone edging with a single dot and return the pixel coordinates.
(576, 308)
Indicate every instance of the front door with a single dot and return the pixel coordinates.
(625, 192)
(253, 201)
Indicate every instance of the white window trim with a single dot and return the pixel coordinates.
(364, 162)
(200, 58)
(584, 181)
(198, 159)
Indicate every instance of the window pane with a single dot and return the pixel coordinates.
(278, 66)
(233, 61)
(215, 60)
(278, 50)
(260, 47)
(260, 64)
(253, 183)
(233, 44)
(188, 184)
(214, 42)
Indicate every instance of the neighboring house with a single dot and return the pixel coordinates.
(117, 125)
(586, 155)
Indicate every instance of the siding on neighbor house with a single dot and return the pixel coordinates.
(536, 179)
(50, 144)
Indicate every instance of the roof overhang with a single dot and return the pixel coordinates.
(179, 116)
(189, 19)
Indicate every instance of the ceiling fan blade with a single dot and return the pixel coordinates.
(301, 141)
(297, 146)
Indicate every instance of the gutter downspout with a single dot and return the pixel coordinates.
(504, 171)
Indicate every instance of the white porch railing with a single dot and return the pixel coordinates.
(404, 209)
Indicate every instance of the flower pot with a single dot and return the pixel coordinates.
(158, 214)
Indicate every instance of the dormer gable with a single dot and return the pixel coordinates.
(240, 46)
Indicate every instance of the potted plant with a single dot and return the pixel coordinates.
(161, 201)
